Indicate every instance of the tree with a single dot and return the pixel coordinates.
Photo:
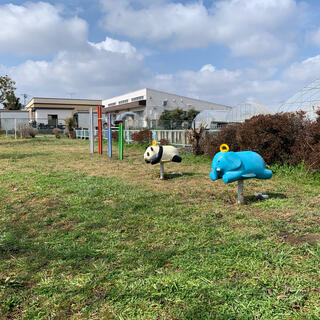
(176, 117)
(179, 115)
(12, 102)
(7, 88)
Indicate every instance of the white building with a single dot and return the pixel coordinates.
(148, 104)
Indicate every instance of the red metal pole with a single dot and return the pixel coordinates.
(100, 129)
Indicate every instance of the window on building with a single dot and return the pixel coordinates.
(52, 119)
(137, 98)
(112, 104)
(140, 113)
(123, 101)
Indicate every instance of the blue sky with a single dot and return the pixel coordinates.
(225, 51)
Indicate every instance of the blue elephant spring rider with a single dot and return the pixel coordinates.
(238, 166)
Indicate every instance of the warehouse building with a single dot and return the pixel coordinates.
(148, 104)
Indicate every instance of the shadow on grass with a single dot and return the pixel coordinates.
(175, 175)
(253, 198)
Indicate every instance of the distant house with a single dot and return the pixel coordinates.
(148, 104)
(53, 111)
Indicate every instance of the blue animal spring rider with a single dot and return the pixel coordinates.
(238, 166)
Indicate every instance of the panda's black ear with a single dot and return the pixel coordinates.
(151, 149)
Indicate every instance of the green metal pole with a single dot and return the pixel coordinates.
(121, 141)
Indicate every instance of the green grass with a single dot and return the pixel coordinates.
(85, 237)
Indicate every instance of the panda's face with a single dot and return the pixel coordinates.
(150, 154)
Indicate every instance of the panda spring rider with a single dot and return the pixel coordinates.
(161, 154)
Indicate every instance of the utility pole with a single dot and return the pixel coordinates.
(25, 96)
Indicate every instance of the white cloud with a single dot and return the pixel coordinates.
(262, 29)
(231, 87)
(208, 68)
(258, 29)
(223, 86)
(39, 29)
(113, 45)
(91, 73)
(61, 58)
(304, 71)
(96, 73)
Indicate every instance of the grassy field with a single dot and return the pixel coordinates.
(86, 237)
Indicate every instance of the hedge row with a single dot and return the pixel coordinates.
(279, 138)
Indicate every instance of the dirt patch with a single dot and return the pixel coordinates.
(295, 240)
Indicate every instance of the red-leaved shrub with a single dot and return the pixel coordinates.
(272, 136)
(307, 147)
(115, 135)
(210, 142)
(195, 136)
(163, 142)
(143, 136)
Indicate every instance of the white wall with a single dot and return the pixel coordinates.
(155, 101)
(127, 96)
(83, 119)
(41, 115)
(7, 119)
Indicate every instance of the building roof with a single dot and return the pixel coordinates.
(5, 110)
(62, 101)
(190, 98)
(146, 92)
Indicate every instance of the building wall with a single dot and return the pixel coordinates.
(64, 106)
(128, 96)
(36, 104)
(158, 101)
(7, 119)
(41, 115)
(11, 114)
(83, 120)
(140, 110)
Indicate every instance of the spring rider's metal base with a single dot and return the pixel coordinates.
(161, 171)
(240, 192)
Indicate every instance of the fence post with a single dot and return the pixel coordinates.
(15, 128)
(128, 136)
(99, 130)
(91, 133)
(109, 135)
(120, 141)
